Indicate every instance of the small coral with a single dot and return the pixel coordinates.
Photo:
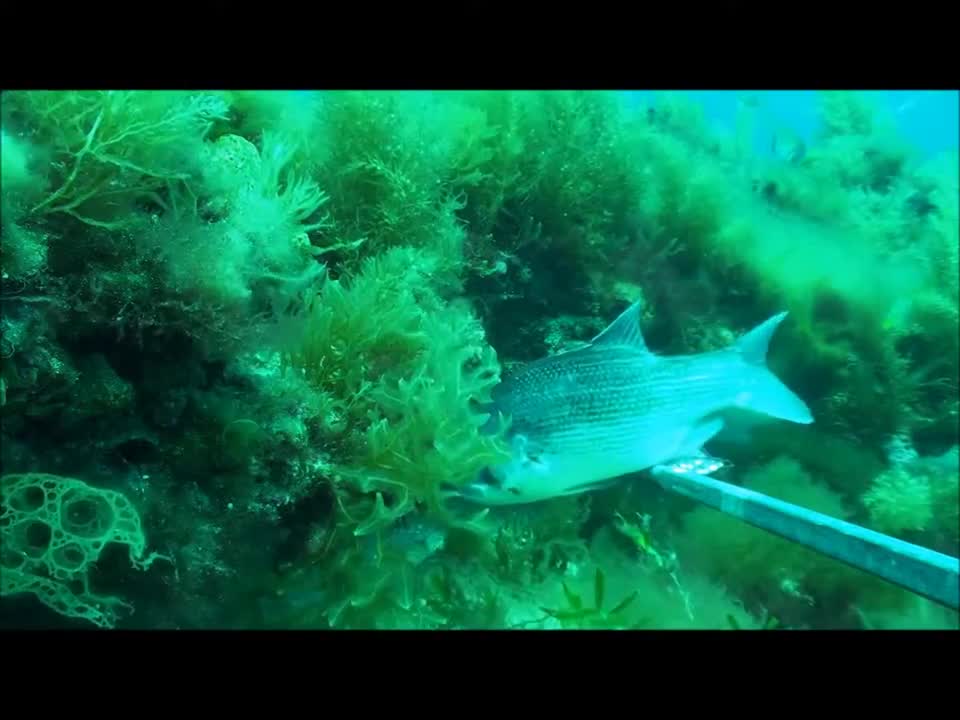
(917, 494)
(899, 501)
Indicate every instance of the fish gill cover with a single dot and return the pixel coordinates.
(271, 324)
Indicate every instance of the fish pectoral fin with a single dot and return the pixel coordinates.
(698, 436)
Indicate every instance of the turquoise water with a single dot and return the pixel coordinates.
(926, 118)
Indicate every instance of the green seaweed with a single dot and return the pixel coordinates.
(586, 617)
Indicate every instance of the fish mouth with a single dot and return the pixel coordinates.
(470, 491)
(478, 493)
(479, 487)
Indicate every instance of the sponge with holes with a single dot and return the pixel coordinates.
(53, 530)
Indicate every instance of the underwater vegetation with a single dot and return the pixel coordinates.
(247, 339)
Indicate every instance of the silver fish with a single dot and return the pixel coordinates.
(583, 419)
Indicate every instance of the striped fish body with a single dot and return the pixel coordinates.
(583, 419)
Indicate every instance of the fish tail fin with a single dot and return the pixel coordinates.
(763, 391)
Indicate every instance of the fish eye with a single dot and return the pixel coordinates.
(488, 477)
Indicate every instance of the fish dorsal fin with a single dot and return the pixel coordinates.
(753, 345)
(624, 331)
